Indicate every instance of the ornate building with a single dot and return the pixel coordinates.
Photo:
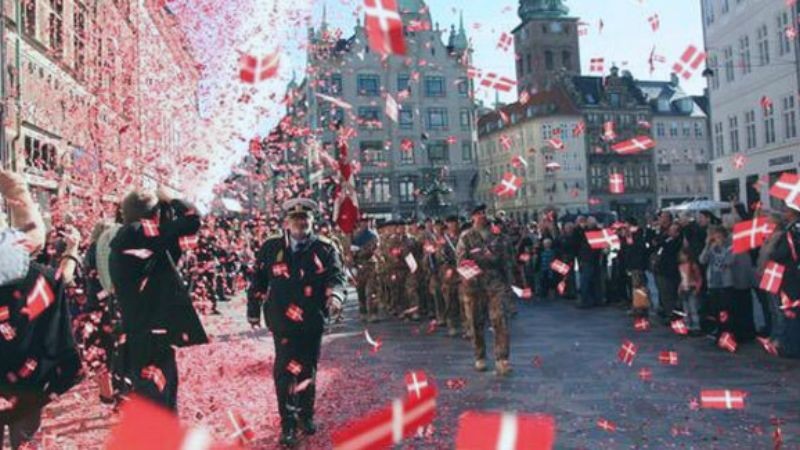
(406, 166)
(546, 43)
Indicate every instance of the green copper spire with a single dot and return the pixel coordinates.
(542, 9)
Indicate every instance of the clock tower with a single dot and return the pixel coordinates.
(546, 43)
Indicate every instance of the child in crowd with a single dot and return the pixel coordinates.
(689, 289)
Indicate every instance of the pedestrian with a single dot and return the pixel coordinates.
(448, 266)
(691, 286)
(365, 246)
(156, 309)
(787, 253)
(770, 302)
(547, 277)
(741, 302)
(299, 281)
(484, 293)
(589, 265)
(718, 258)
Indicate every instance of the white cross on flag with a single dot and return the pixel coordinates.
(417, 383)
(722, 399)
(253, 69)
(634, 146)
(690, 61)
(739, 161)
(506, 142)
(556, 143)
(773, 277)
(505, 42)
(39, 299)
(597, 65)
(496, 82)
(787, 188)
(616, 183)
(608, 131)
(668, 358)
(679, 327)
(627, 352)
(602, 239)
(751, 234)
(387, 427)
(727, 342)
(384, 27)
(579, 129)
(559, 267)
(241, 430)
(509, 185)
(150, 227)
(655, 22)
(505, 431)
(391, 108)
(607, 425)
(519, 162)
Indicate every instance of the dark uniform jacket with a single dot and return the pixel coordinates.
(293, 287)
(787, 253)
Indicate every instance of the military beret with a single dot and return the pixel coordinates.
(451, 219)
(300, 207)
(480, 208)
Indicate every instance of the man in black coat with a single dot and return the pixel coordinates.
(298, 283)
(157, 313)
(787, 253)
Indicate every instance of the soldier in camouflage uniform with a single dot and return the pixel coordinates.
(365, 261)
(433, 240)
(412, 248)
(396, 267)
(485, 292)
(385, 300)
(448, 277)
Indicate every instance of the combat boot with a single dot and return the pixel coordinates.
(288, 436)
(308, 426)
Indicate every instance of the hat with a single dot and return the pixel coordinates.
(451, 219)
(300, 207)
(480, 208)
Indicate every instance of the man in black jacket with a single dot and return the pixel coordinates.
(156, 309)
(298, 283)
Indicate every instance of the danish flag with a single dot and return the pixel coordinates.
(641, 324)
(524, 97)
(679, 327)
(787, 188)
(384, 27)
(739, 161)
(241, 431)
(187, 243)
(616, 183)
(417, 383)
(505, 41)
(597, 65)
(39, 299)
(560, 267)
(768, 345)
(602, 239)
(608, 131)
(505, 431)
(722, 399)
(519, 162)
(509, 185)
(645, 374)
(668, 358)
(556, 143)
(468, 269)
(627, 352)
(727, 342)
(28, 368)
(505, 142)
(155, 375)
(751, 234)
(7, 331)
(388, 426)
(579, 129)
(690, 61)
(253, 69)
(294, 367)
(655, 22)
(496, 82)
(294, 313)
(773, 277)
(4, 313)
(607, 425)
(635, 145)
(150, 227)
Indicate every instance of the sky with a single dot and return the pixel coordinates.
(222, 30)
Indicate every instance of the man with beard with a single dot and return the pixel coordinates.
(299, 281)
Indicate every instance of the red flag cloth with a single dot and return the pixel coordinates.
(468, 269)
(751, 234)
(787, 188)
(252, 69)
(601, 239)
(241, 430)
(668, 358)
(345, 207)
(635, 145)
(616, 183)
(417, 383)
(722, 399)
(627, 352)
(679, 327)
(505, 431)
(150, 227)
(496, 82)
(384, 27)
(773, 277)
(386, 427)
(145, 425)
(559, 267)
(690, 61)
(39, 299)
(727, 342)
(509, 185)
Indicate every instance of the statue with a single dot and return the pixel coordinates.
(538, 9)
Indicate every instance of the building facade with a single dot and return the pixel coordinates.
(681, 129)
(522, 132)
(433, 142)
(753, 58)
(546, 43)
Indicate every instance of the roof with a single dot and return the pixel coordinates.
(543, 104)
(668, 98)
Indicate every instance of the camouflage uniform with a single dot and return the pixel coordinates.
(449, 279)
(485, 293)
(365, 260)
(396, 271)
(414, 281)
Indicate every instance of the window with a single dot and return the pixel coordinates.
(750, 128)
(698, 129)
(463, 87)
(372, 152)
(29, 20)
(548, 60)
(438, 152)
(719, 139)
(466, 151)
(725, 6)
(673, 129)
(434, 87)
(377, 190)
(437, 119)
(56, 26)
(369, 116)
(763, 46)
(38, 155)
(403, 83)
(784, 45)
(733, 125)
(687, 129)
(466, 119)
(369, 85)
(566, 60)
(708, 7)
(769, 124)
(406, 189)
(644, 176)
(407, 156)
(615, 100)
(598, 177)
(405, 118)
(789, 118)
(79, 41)
(336, 84)
(744, 54)
(714, 63)
(661, 129)
(729, 74)
(529, 63)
